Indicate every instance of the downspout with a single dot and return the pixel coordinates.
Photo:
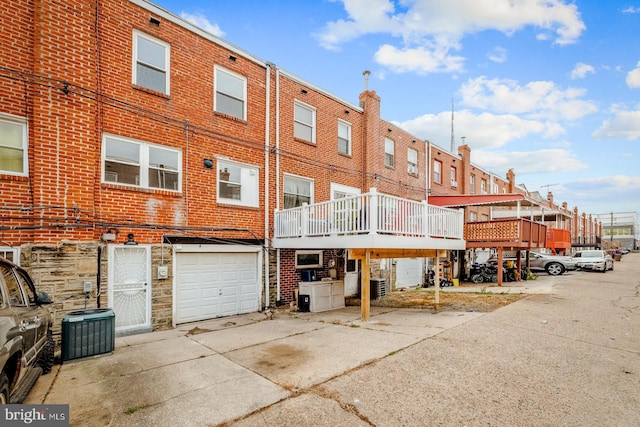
(277, 176)
(267, 151)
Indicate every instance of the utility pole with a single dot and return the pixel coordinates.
(611, 230)
(453, 142)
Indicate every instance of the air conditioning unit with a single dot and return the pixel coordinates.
(454, 184)
(413, 169)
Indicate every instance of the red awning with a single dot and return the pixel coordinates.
(461, 200)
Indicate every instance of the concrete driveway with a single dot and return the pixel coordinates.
(569, 354)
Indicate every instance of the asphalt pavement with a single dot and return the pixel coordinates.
(567, 354)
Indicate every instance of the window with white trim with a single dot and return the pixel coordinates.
(453, 175)
(412, 161)
(483, 186)
(473, 216)
(150, 62)
(10, 253)
(344, 137)
(13, 145)
(389, 152)
(141, 164)
(231, 93)
(297, 191)
(437, 171)
(238, 183)
(472, 184)
(304, 126)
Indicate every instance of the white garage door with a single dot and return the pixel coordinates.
(210, 285)
(408, 272)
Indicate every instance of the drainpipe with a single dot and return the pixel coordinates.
(267, 239)
(278, 175)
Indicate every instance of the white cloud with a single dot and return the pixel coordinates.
(201, 21)
(581, 70)
(529, 162)
(482, 131)
(498, 54)
(631, 9)
(536, 100)
(633, 77)
(434, 28)
(625, 124)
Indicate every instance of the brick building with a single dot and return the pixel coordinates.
(153, 161)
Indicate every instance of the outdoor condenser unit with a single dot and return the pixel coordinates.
(88, 333)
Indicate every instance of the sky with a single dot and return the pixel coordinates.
(550, 88)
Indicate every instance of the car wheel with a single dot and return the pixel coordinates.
(4, 389)
(554, 268)
(46, 357)
(604, 269)
(612, 266)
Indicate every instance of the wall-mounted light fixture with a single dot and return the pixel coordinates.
(208, 163)
(130, 240)
(233, 58)
(303, 91)
(154, 21)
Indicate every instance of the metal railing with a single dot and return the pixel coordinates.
(370, 213)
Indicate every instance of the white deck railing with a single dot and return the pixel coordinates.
(370, 213)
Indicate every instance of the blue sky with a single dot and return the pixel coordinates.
(550, 88)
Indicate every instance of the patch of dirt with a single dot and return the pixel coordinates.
(449, 301)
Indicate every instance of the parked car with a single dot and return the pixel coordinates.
(26, 343)
(597, 260)
(552, 264)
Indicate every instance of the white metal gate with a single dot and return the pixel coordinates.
(130, 286)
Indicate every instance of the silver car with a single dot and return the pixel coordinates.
(596, 260)
(552, 264)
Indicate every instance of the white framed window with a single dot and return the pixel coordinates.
(10, 253)
(344, 137)
(412, 161)
(472, 184)
(473, 216)
(150, 62)
(389, 152)
(483, 186)
(437, 171)
(297, 191)
(304, 122)
(230, 93)
(238, 183)
(141, 164)
(13, 145)
(453, 175)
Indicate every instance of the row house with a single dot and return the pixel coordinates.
(150, 167)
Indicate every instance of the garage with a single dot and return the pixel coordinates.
(409, 272)
(216, 284)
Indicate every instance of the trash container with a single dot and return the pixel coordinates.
(87, 333)
(304, 303)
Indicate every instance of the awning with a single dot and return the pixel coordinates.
(462, 200)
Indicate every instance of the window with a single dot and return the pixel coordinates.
(140, 164)
(389, 148)
(237, 183)
(231, 93)
(453, 177)
(151, 62)
(14, 292)
(472, 184)
(309, 259)
(344, 137)
(13, 145)
(485, 217)
(297, 190)
(437, 171)
(412, 161)
(483, 186)
(304, 126)
(12, 254)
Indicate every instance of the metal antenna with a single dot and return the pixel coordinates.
(453, 143)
